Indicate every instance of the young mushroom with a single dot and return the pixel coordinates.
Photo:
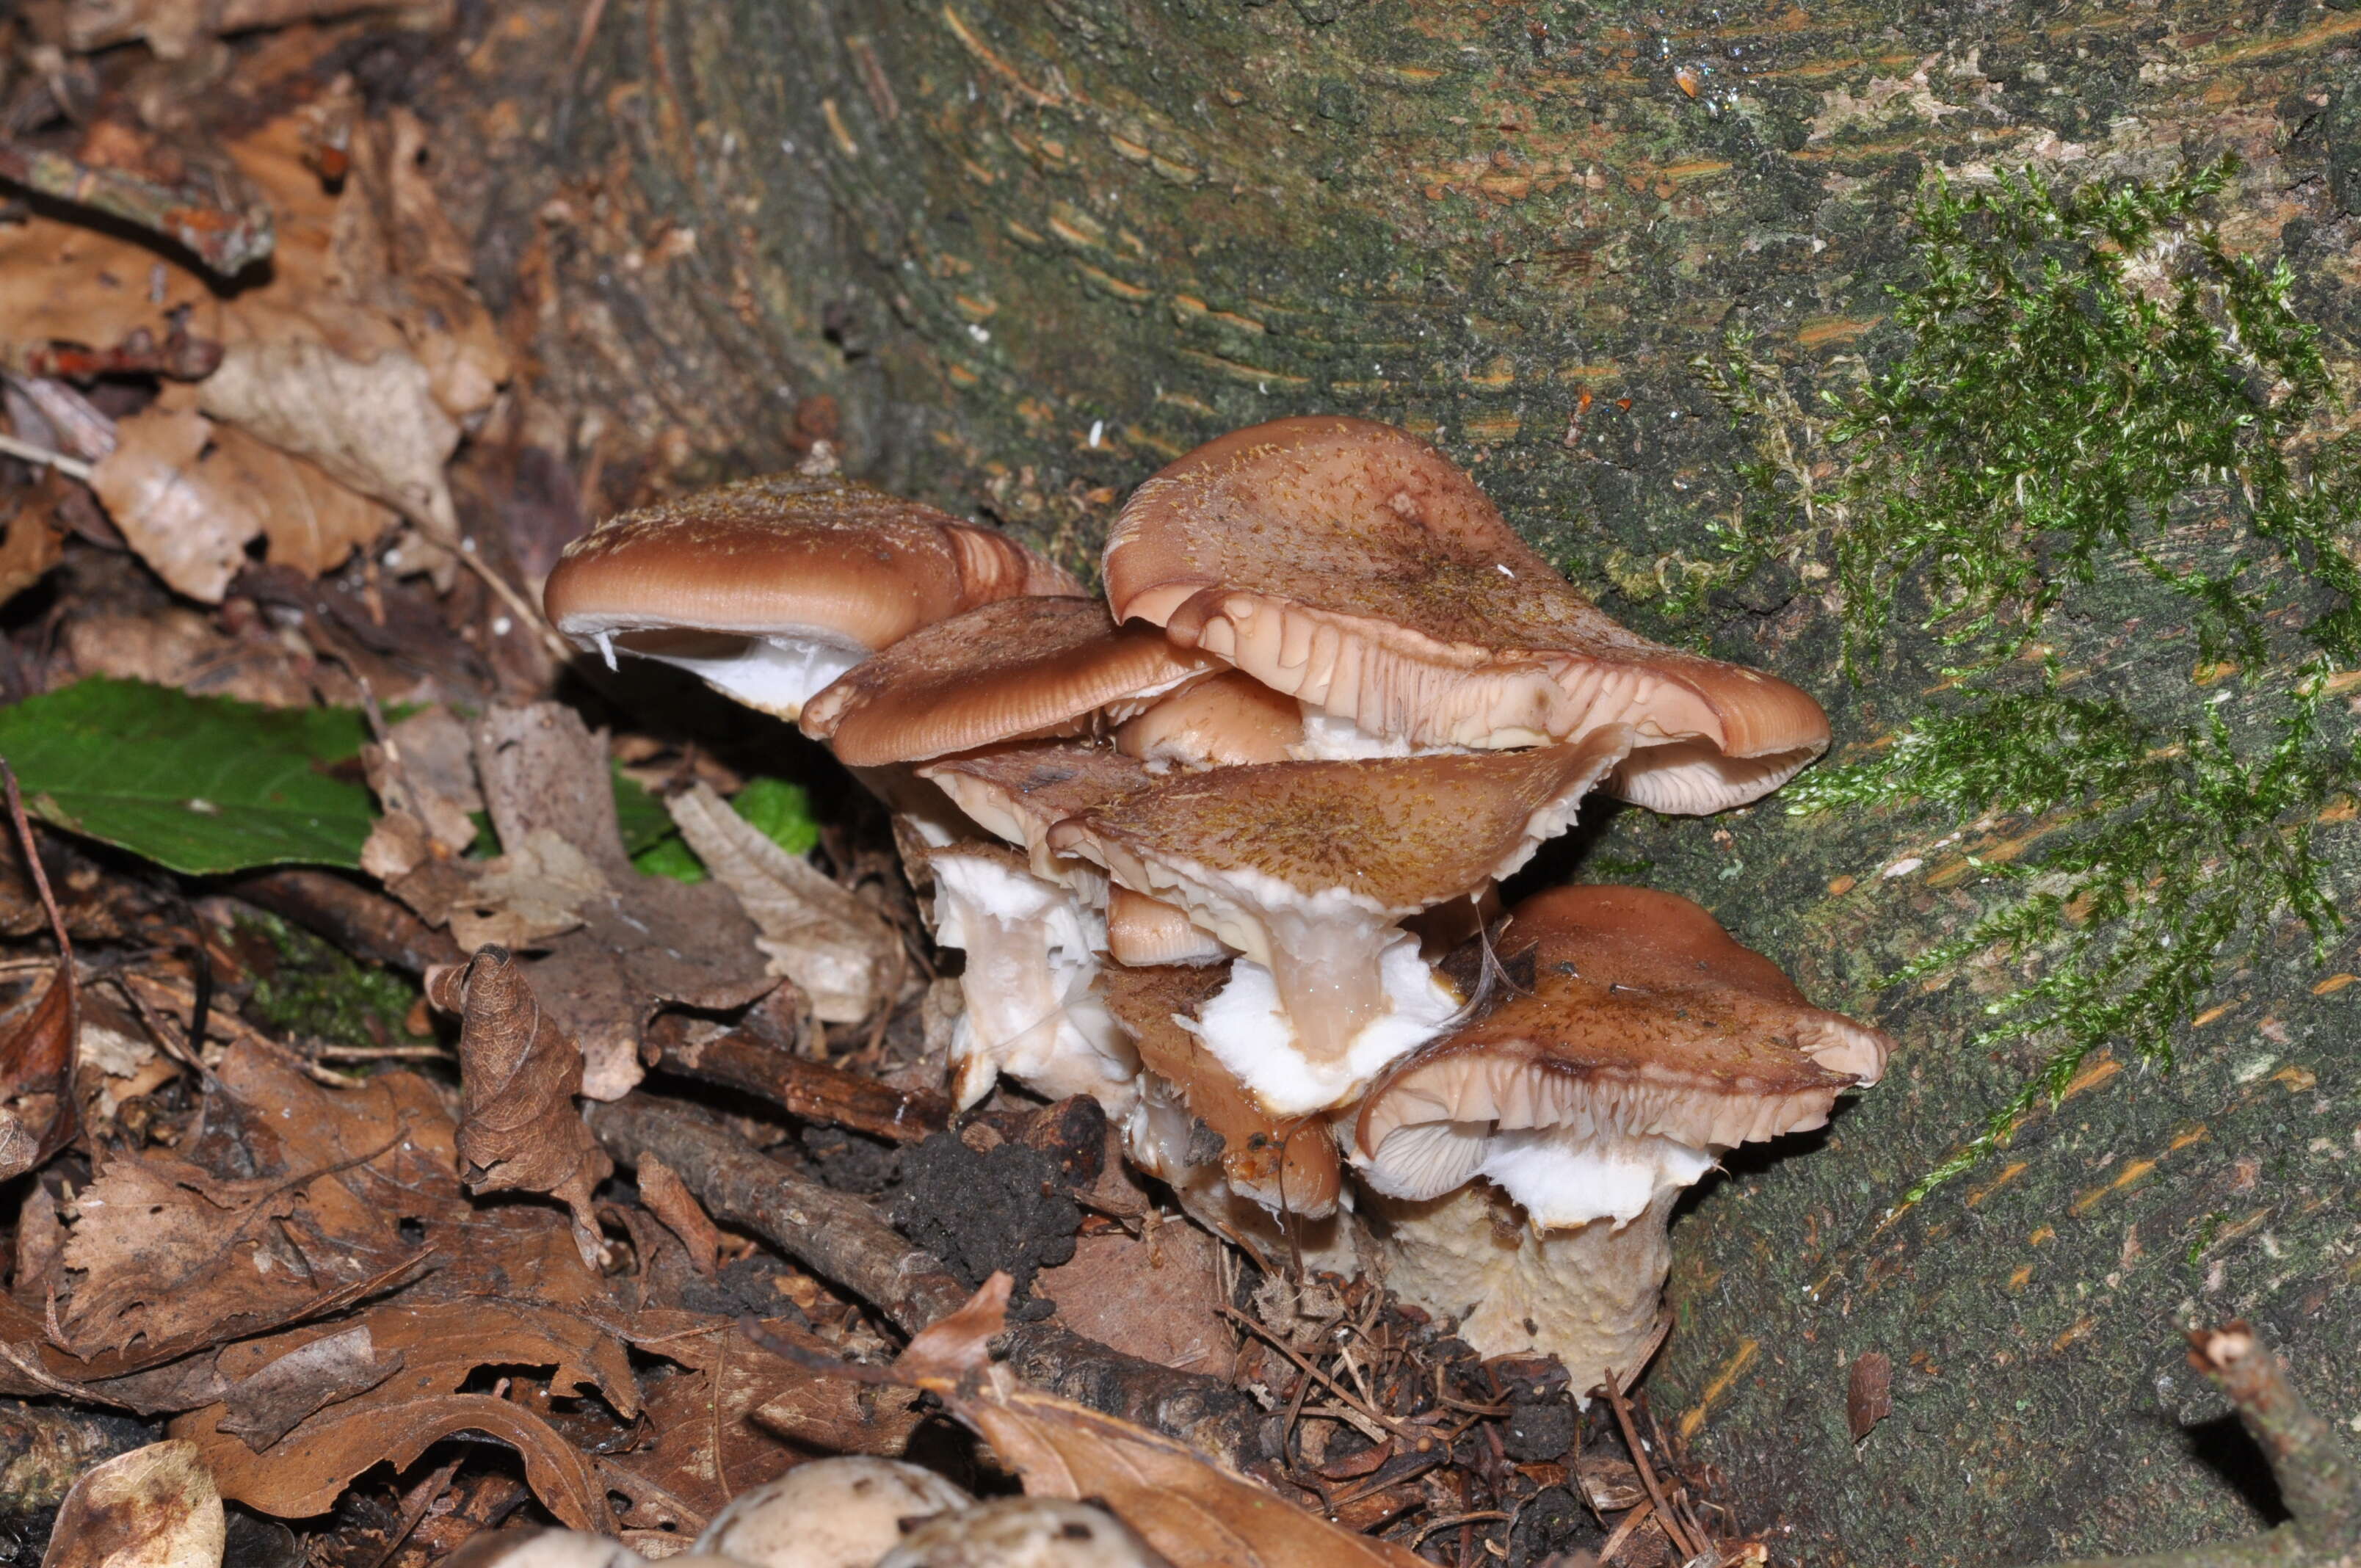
(542, 1548)
(1352, 566)
(1638, 1043)
(770, 588)
(1196, 1123)
(830, 1513)
(1029, 985)
(1230, 721)
(1308, 870)
(1019, 669)
(1025, 1532)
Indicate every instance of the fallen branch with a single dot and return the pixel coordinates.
(366, 923)
(813, 1090)
(844, 1239)
(2319, 1481)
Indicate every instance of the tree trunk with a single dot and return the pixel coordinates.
(1035, 248)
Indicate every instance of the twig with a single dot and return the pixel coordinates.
(196, 214)
(71, 467)
(1352, 1401)
(813, 1090)
(1624, 1531)
(1420, 1539)
(1680, 1538)
(2320, 1483)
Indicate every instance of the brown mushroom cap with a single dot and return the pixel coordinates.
(1282, 1163)
(821, 564)
(1145, 933)
(1017, 669)
(1230, 721)
(1647, 1040)
(1350, 564)
(1391, 837)
(1017, 795)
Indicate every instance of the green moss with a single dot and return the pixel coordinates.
(315, 991)
(2088, 386)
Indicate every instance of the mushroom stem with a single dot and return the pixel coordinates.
(1591, 1294)
(1032, 1010)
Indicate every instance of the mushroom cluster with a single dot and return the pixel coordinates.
(1222, 851)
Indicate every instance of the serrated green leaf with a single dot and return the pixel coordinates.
(782, 811)
(198, 784)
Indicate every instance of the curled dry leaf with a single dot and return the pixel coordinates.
(35, 542)
(519, 1072)
(1195, 1513)
(669, 1199)
(188, 515)
(839, 951)
(152, 1508)
(270, 1402)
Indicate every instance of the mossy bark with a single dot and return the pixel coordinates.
(1035, 248)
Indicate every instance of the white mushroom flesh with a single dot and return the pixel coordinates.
(777, 671)
(1318, 1042)
(1559, 1176)
(831, 1513)
(1032, 954)
(554, 1549)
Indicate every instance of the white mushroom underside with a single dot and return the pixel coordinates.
(993, 810)
(1031, 1011)
(777, 672)
(1693, 778)
(1246, 1029)
(1560, 1178)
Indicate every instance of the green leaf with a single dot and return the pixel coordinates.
(640, 814)
(198, 784)
(783, 812)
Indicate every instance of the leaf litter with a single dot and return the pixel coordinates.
(352, 1274)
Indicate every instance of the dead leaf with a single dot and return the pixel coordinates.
(1157, 1296)
(173, 27)
(1868, 1393)
(312, 524)
(170, 1250)
(176, 646)
(34, 543)
(190, 516)
(304, 1471)
(372, 425)
(837, 949)
(519, 1072)
(60, 282)
(613, 950)
(267, 1405)
(1196, 1514)
(669, 1199)
(706, 1444)
(152, 1508)
(38, 1111)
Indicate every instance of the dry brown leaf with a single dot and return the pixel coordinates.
(373, 425)
(38, 1111)
(175, 646)
(152, 1508)
(62, 283)
(269, 1403)
(668, 1199)
(519, 1072)
(188, 515)
(173, 27)
(1195, 1513)
(304, 1473)
(312, 524)
(837, 949)
(1157, 1296)
(706, 1446)
(35, 542)
(169, 1251)
(537, 890)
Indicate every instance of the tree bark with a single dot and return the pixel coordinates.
(1035, 248)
